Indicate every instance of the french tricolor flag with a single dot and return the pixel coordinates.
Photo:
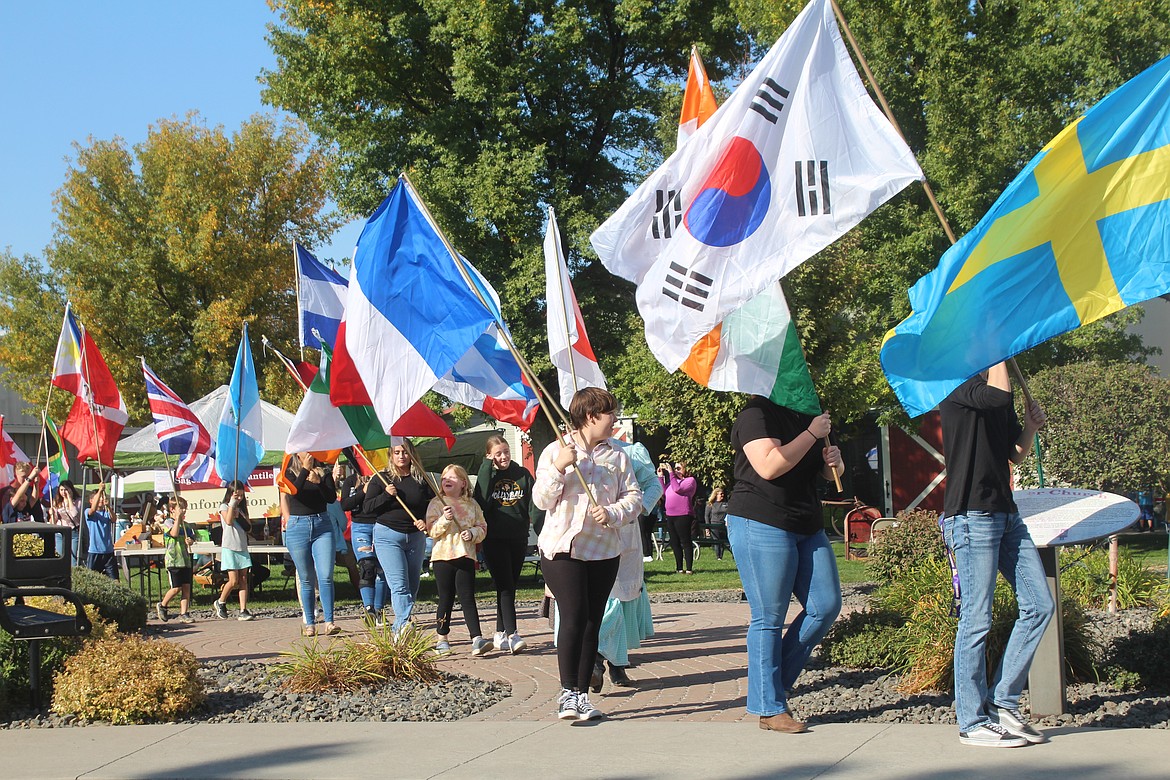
(410, 315)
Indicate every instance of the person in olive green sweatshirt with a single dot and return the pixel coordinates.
(503, 489)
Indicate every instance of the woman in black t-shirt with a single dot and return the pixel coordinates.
(781, 550)
(397, 499)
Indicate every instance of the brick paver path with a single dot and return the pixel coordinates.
(692, 669)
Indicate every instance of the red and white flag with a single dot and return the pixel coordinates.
(99, 413)
(698, 100)
(568, 343)
(10, 455)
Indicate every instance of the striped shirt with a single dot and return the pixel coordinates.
(568, 526)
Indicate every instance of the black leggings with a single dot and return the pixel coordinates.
(581, 589)
(646, 524)
(451, 577)
(504, 559)
(680, 541)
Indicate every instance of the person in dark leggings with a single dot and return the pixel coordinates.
(679, 501)
(503, 490)
(579, 543)
(456, 524)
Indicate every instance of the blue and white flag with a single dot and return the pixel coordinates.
(410, 316)
(240, 443)
(320, 298)
(488, 377)
(179, 431)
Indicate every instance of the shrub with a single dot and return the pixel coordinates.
(15, 685)
(1084, 577)
(1145, 654)
(128, 679)
(865, 640)
(113, 600)
(916, 538)
(922, 648)
(350, 664)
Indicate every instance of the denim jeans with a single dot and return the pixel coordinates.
(373, 596)
(309, 539)
(775, 565)
(401, 556)
(984, 543)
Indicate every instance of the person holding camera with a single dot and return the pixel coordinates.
(23, 503)
(679, 500)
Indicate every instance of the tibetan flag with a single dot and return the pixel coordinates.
(239, 443)
(1082, 232)
(179, 431)
(698, 100)
(797, 156)
(58, 463)
(320, 298)
(98, 414)
(10, 455)
(568, 343)
(319, 425)
(410, 315)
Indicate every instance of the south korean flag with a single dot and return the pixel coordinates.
(797, 156)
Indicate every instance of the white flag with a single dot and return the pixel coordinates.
(568, 344)
(796, 157)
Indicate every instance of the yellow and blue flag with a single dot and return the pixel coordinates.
(1082, 232)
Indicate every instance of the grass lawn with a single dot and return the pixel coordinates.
(710, 574)
(1149, 549)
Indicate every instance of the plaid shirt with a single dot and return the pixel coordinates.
(568, 526)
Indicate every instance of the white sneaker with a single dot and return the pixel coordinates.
(516, 644)
(442, 646)
(1014, 723)
(585, 710)
(991, 735)
(480, 646)
(498, 640)
(567, 705)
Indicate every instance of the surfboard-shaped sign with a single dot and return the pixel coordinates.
(1057, 516)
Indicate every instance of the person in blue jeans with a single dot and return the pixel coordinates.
(372, 585)
(308, 534)
(777, 536)
(981, 438)
(397, 499)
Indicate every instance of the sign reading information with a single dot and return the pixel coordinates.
(1057, 516)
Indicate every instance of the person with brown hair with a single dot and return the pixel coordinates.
(503, 491)
(579, 543)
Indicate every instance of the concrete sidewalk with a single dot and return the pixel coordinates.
(613, 748)
(685, 719)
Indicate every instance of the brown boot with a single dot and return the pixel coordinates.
(783, 722)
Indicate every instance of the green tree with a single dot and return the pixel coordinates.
(164, 249)
(1108, 427)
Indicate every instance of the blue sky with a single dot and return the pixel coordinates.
(71, 70)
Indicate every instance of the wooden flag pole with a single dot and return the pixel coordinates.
(934, 204)
(890, 115)
(526, 369)
(836, 476)
(386, 483)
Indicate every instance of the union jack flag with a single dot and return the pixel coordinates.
(179, 431)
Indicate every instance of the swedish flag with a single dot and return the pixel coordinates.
(1082, 232)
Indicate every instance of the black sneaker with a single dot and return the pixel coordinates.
(161, 611)
(221, 610)
(991, 735)
(567, 705)
(585, 709)
(1015, 724)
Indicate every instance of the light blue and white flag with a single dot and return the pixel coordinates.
(320, 298)
(240, 443)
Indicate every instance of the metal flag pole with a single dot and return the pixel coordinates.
(239, 410)
(526, 369)
(88, 390)
(297, 287)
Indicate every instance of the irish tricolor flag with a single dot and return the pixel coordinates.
(756, 349)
